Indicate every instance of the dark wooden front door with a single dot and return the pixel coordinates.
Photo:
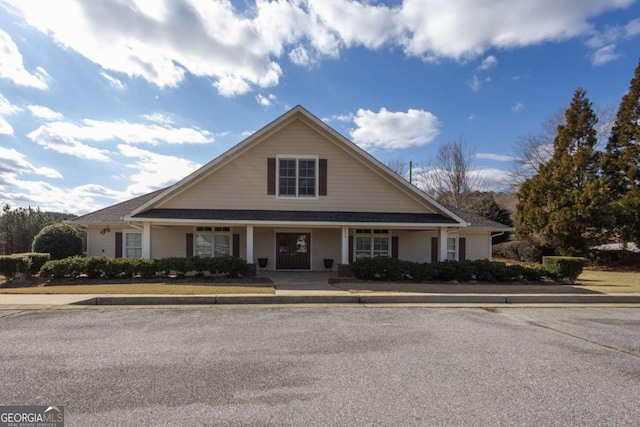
(293, 251)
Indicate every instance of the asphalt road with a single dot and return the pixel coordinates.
(326, 366)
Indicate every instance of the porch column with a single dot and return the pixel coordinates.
(442, 244)
(345, 246)
(146, 240)
(250, 244)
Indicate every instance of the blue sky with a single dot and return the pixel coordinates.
(104, 100)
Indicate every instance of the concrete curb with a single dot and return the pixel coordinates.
(364, 299)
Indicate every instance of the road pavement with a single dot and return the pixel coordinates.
(326, 365)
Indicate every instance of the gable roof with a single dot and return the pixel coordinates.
(278, 123)
(117, 212)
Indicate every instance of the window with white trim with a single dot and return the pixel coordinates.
(212, 241)
(452, 248)
(371, 243)
(297, 177)
(132, 245)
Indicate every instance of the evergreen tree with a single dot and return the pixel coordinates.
(560, 207)
(621, 165)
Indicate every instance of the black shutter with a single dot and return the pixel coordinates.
(322, 175)
(350, 249)
(434, 249)
(189, 245)
(236, 246)
(462, 249)
(118, 244)
(271, 176)
(394, 247)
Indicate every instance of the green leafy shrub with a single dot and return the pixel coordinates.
(448, 271)
(26, 264)
(517, 250)
(61, 268)
(59, 240)
(564, 267)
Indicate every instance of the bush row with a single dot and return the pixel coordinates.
(26, 264)
(564, 267)
(561, 268)
(110, 268)
(517, 250)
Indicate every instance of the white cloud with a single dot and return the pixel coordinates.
(12, 65)
(475, 84)
(158, 118)
(44, 112)
(343, 117)
(394, 130)
(496, 157)
(266, 101)
(7, 109)
(14, 163)
(240, 50)
(71, 138)
(115, 82)
(153, 170)
(489, 62)
(604, 42)
(471, 117)
(518, 106)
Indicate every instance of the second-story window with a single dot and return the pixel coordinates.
(297, 177)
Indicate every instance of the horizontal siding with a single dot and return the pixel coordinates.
(477, 245)
(101, 244)
(325, 244)
(413, 246)
(242, 183)
(169, 241)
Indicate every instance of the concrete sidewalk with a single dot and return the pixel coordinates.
(23, 302)
(314, 288)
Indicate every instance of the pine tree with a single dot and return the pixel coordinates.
(560, 207)
(621, 165)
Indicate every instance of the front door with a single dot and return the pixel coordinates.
(293, 251)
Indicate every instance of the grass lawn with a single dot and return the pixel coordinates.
(142, 288)
(610, 281)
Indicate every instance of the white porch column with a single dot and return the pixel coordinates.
(442, 244)
(345, 246)
(146, 240)
(250, 244)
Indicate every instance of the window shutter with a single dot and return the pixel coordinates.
(271, 176)
(322, 175)
(350, 249)
(434, 249)
(394, 247)
(118, 244)
(189, 245)
(462, 249)
(236, 246)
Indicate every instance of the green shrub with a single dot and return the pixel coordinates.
(58, 240)
(517, 250)
(96, 267)
(564, 267)
(448, 271)
(60, 268)
(26, 264)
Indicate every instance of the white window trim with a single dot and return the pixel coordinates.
(124, 242)
(296, 158)
(213, 233)
(371, 235)
(457, 254)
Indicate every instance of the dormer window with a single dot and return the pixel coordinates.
(297, 177)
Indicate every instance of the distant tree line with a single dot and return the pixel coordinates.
(19, 226)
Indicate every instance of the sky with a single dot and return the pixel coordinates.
(105, 100)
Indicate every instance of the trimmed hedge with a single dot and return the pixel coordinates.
(115, 268)
(564, 267)
(518, 250)
(391, 269)
(27, 264)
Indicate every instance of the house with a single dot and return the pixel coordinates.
(289, 197)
